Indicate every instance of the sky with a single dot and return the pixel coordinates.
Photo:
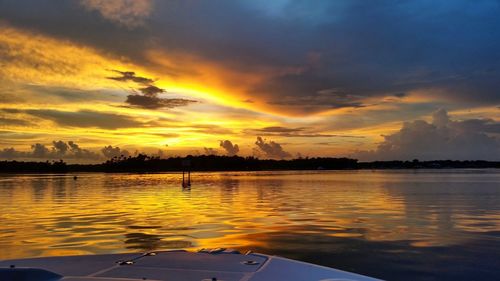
(87, 80)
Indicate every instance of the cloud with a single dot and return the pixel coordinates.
(210, 151)
(312, 99)
(278, 129)
(151, 90)
(36, 94)
(209, 129)
(300, 132)
(130, 76)
(11, 153)
(348, 45)
(341, 54)
(231, 149)
(59, 150)
(85, 118)
(13, 122)
(111, 152)
(60, 147)
(443, 138)
(153, 102)
(40, 151)
(272, 149)
(31, 59)
(129, 13)
(147, 96)
(80, 153)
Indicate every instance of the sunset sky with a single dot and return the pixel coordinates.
(88, 80)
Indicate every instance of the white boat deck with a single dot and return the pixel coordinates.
(209, 265)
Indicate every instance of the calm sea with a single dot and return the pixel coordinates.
(395, 225)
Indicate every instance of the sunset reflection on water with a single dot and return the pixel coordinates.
(382, 223)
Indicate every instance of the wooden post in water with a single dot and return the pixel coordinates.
(186, 164)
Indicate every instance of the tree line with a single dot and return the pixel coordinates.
(143, 163)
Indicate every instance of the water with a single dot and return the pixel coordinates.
(396, 225)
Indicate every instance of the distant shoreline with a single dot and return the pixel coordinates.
(147, 164)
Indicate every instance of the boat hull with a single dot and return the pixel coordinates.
(207, 265)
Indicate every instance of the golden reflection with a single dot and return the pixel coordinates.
(99, 213)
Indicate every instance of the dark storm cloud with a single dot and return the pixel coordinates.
(128, 13)
(365, 48)
(442, 139)
(69, 20)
